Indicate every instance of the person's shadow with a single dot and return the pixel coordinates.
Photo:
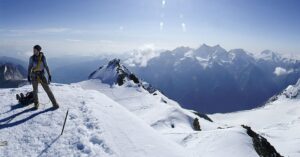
(14, 107)
(45, 150)
(7, 120)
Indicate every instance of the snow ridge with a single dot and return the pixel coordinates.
(292, 91)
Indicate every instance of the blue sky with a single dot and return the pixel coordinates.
(98, 26)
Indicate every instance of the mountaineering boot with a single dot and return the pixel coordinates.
(18, 97)
(55, 106)
(36, 106)
(22, 95)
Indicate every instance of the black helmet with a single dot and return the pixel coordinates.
(37, 47)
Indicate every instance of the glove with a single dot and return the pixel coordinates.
(29, 79)
(49, 79)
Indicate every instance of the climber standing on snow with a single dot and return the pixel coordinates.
(36, 74)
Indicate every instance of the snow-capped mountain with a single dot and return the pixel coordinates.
(121, 120)
(211, 79)
(114, 72)
(11, 75)
(11, 72)
(269, 56)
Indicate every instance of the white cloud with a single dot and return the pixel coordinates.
(281, 71)
(142, 55)
(43, 30)
(68, 46)
(149, 46)
(26, 32)
(73, 40)
(52, 30)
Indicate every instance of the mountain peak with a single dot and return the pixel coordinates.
(268, 52)
(270, 55)
(116, 73)
(213, 52)
(217, 46)
(114, 63)
(181, 49)
(111, 73)
(239, 52)
(204, 45)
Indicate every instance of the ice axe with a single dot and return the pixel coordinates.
(62, 131)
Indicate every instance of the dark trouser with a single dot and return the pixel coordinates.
(40, 78)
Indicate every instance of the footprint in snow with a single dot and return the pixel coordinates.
(97, 141)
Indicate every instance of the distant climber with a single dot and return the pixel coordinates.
(36, 74)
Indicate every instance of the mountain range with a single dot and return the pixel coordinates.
(113, 115)
(210, 79)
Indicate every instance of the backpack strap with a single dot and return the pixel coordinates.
(39, 62)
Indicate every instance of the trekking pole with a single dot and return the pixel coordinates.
(64, 122)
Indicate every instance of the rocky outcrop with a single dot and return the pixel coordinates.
(261, 144)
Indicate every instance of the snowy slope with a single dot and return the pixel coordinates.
(215, 143)
(161, 115)
(97, 126)
(156, 109)
(278, 121)
(100, 126)
(173, 121)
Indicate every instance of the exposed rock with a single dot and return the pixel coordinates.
(261, 145)
(196, 124)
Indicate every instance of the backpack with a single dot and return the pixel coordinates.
(25, 100)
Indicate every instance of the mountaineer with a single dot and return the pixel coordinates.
(36, 75)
